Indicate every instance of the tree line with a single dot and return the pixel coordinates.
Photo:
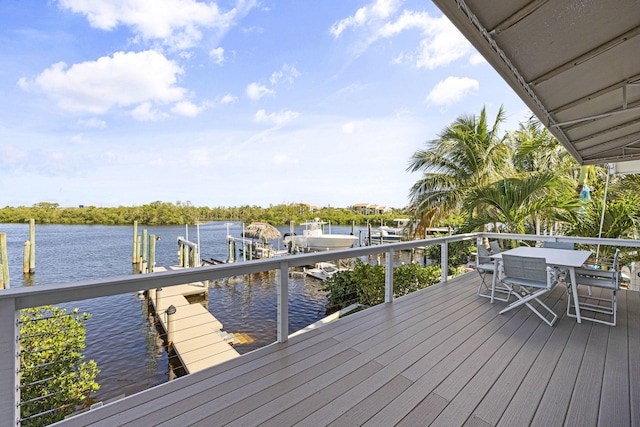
(179, 213)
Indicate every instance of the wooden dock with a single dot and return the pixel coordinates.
(194, 331)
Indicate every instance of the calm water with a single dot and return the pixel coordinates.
(120, 335)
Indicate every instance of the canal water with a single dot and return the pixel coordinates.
(120, 336)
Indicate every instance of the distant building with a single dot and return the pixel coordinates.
(304, 207)
(370, 209)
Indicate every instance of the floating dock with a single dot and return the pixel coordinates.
(192, 331)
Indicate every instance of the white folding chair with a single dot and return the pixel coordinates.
(484, 266)
(558, 245)
(533, 279)
(495, 247)
(604, 275)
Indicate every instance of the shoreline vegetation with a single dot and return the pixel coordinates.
(180, 213)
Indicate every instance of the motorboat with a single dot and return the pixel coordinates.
(322, 270)
(388, 234)
(313, 238)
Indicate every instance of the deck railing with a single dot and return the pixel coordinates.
(15, 299)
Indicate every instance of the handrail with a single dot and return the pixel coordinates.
(14, 299)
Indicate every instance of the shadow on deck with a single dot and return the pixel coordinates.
(441, 356)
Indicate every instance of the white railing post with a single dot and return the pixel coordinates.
(388, 276)
(283, 303)
(444, 260)
(9, 355)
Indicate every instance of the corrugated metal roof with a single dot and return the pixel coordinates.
(575, 63)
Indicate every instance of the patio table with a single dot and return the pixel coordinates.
(567, 258)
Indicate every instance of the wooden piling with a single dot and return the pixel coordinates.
(25, 257)
(145, 245)
(152, 253)
(170, 312)
(134, 258)
(32, 248)
(4, 261)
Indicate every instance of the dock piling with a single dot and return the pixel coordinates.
(170, 312)
(152, 253)
(25, 257)
(4, 277)
(32, 247)
(134, 258)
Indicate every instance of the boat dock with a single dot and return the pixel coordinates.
(192, 331)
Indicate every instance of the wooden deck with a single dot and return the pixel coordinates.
(441, 357)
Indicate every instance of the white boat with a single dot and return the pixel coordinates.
(314, 239)
(387, 234)
(322, 270)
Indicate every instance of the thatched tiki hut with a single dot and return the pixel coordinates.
(262, 231)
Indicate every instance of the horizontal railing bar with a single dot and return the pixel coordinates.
(59, 293)
(35, 296)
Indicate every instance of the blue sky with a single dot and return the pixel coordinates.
(229, 103)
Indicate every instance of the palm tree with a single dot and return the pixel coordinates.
(467, 154)
(536, 150)
(512, 202)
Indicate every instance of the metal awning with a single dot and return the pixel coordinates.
(575, 63)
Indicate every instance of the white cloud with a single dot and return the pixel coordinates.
(452, 90)
(199, 158)
(145, 113)
(476, 59)
(229, 99)
(186, 108)
(217, 54)
(443, 45)
(93, 122)
(287, 73)
(284, 159)
(79, 139)
(123, 79)
(256, 91)
(277, 119)
(351, 127)
(10, 155)
(376, 11)
(175, 23)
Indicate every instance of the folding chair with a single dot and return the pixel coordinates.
(484, 265)
(533, 278)
(495, 247)
(605, 275)
(562, 272)
(559, 245)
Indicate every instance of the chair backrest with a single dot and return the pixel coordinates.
(483, 255)
(495, 247)
(527, 270)
(604, 274)
(558, 245)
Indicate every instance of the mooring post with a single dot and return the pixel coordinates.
(32, 240)
(152, 253)
(170, 312)
(4, 277)
(145, 245)
(158, 300)
(137, 246)
(25, 257)
(134, 258)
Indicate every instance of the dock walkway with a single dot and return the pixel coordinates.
(195, 336)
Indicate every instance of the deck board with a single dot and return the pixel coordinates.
(441, 356)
